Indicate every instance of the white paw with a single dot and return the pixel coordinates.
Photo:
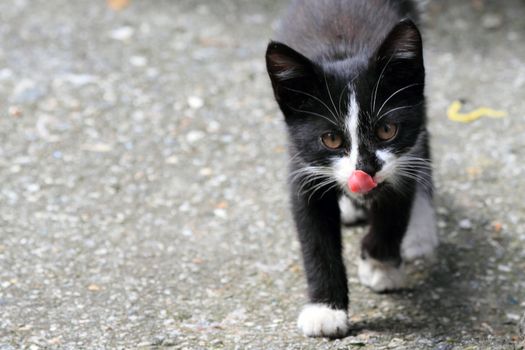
(319, 320)
(349, 212)
(380, 277)
(421, 237)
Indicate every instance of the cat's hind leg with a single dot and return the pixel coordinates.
(421, 238)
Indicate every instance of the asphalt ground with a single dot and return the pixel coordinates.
(143, 197)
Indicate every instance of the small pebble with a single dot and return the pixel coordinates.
(395, 343)
(465, 224)
(491, 21)
(138, 61)
(195, 102)
(205, 171)
(122, 33)
(15, 111)
(444, 347)
(94, 287)
(513, 317)
(80, 79)
(220, 213)
(33, 187)
(504, 268)
(195, 135)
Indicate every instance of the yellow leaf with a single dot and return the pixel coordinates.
(454, 113)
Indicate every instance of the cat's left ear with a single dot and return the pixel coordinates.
(402, 51)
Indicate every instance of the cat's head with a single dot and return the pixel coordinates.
(354, 123)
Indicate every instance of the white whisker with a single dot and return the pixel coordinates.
(341, 96)
(376, 88)
(324, 192)
(315, 98)
(329, 93)
(314, 114)
(418, 178)
(321, 185)
(395, 93)
(396, 109)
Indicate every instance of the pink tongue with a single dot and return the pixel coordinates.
(361, 182)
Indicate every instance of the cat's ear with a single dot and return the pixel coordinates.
(402, 43)
(401, 53)
(290, 72)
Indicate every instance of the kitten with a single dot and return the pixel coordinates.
(348, 76)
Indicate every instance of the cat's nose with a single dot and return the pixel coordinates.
(361, 182)
(367, 165)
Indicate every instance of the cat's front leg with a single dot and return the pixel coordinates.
(318, 224)
(380, 266)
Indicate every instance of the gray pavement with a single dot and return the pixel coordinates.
(142, 183)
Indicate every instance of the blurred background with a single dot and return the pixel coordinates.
(143, 193)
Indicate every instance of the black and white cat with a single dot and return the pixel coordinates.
(348, 76)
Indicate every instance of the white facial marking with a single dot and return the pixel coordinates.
(388, 167)
(380, 277)
(318, 320)
(352, 123)
(384, 155)
(349, 212)
(345, 166)
(421, 236)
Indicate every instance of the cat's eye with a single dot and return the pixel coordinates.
(332, 140)
(387, 131)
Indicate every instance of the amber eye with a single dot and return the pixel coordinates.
(332, 140)
(387, 131)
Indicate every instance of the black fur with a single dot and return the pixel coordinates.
(322, 46)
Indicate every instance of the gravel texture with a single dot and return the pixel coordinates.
(142, 183)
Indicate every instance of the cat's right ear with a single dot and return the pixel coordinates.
(290, 72)
(402, 53)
